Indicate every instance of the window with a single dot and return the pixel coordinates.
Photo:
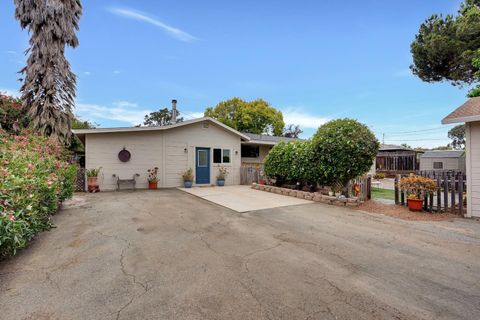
(202, 158)
(438, 165)
(221, 155)
(226, 156)
(250, 151)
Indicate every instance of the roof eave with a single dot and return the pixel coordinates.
(448, 120)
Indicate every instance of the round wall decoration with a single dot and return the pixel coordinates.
(124, 155)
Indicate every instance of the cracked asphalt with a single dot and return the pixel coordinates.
(169, 255)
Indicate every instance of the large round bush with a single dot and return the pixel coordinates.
(292, 162)
(344, 150)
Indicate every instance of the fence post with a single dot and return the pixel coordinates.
(439, 194)
(452, 195)
(369, 188)
(396, 188)
(445, 192)
(460, 194)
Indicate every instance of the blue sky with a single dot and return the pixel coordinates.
(314, 60)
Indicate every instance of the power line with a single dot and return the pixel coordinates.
(416, 131)
(417, 140)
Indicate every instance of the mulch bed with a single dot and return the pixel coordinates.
(403, 212)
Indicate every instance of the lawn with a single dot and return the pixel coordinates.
(379, 193)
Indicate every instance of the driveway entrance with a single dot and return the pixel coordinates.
(244, 198)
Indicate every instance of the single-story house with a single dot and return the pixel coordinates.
(392, 159)
(203, 144)
(469, 113)
(443, 160)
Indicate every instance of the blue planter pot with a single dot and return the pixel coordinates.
(187, 184)
(220, 183)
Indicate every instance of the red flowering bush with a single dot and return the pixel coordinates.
(13, 117)
(35, 178)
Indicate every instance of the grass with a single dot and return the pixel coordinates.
(379, 193)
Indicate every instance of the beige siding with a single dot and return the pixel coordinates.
(473, 168)
(102, 151)
(263, 151)
(457, 164)
(173, 151)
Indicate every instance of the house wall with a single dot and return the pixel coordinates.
(162, 149)
(263, 152)
(457, 164)
(473, 168)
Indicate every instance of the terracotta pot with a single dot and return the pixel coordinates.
(92, 181)
(415, 204)
(152, 185)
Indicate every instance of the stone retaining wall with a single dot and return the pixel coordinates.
(313, 196)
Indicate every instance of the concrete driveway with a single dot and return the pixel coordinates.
(244, 198)
(169, 255)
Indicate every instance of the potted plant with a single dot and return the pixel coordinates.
(92, 177)
(188, 178)
(417, 188)
(222, 174)
(152, 178)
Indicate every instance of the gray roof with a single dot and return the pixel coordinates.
(443, 154)
(263, 138)
(392, 147)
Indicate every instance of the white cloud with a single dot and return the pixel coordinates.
(10, 92)
(87, 73)
(304, 119)
(140, 16)
(121, 111)
(116, 72)
(11, 52)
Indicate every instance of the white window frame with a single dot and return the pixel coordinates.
(221, 156)
(438, 162)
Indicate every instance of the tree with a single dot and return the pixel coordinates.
(344, 150)
(161, 117)
(475, 92)
(457, 134)
(13, 117)
(48, 89)
(292, 131)
(256, 116)
(444, 48)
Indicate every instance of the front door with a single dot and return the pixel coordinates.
(202, 166)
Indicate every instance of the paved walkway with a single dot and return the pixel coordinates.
(244, 198)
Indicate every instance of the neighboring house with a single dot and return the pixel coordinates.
(255, 150)
(202, 144)
(443, 160)
(469, 113)
(393, 159)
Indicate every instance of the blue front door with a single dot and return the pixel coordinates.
(202, 166)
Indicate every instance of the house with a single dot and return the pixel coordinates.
(256, 149)
(392, 159)
(443, 160)
(469, 113)
(203, 144)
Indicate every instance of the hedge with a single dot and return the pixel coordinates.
(35, 178)
(341, 150)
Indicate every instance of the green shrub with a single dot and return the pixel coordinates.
(34, 179)
(379, 176)
(344, 150)
(292, 162)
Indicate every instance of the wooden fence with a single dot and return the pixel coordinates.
(250, 174)
(361, 188)
(449, 196)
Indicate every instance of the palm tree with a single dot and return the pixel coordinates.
(48, 90)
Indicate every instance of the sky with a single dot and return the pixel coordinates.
(314, 60)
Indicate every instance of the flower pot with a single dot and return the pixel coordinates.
(187, 184)
(92, 181)
(220, 182)
(152, 185)
(415, 204)
(262, 182)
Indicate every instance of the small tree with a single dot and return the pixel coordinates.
(344, 149)
(161, 117)
(457, 134)
(292, 131)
